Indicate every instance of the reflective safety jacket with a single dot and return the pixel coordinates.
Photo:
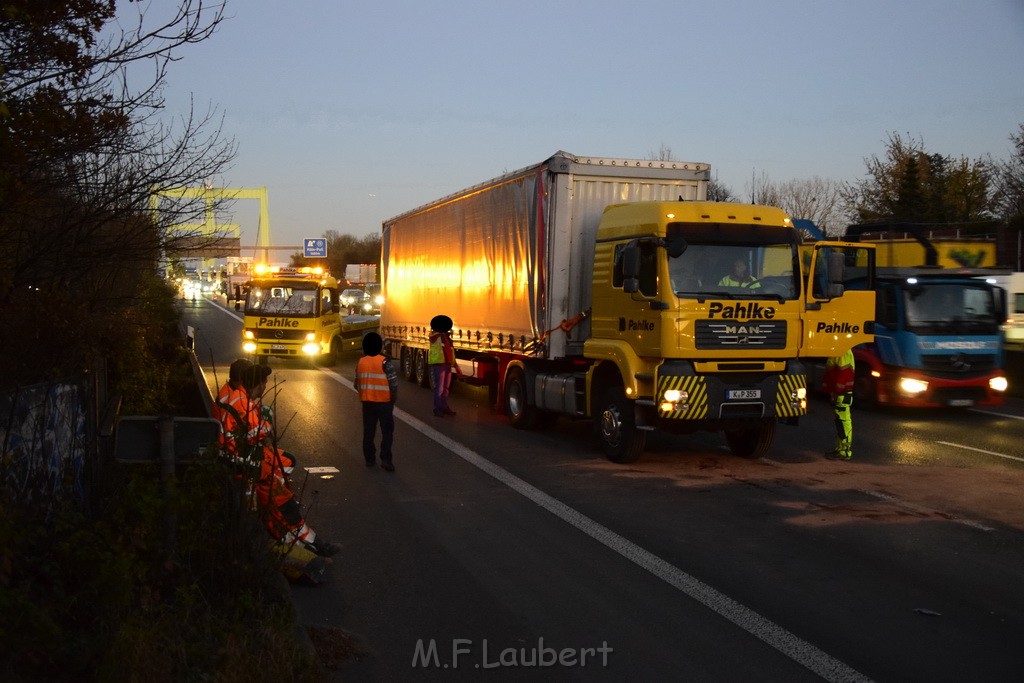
(242, 423)
(441, 350)
(374, 379)
(730, 281)
(839, 374)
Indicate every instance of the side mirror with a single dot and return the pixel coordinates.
(238, 305)
(630, 263)
(675, 246)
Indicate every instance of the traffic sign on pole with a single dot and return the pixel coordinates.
(314, 247)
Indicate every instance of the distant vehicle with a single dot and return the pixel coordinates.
(1013, 329)
(292, 313)
(361, 273)
(939, 321)
(377, 294)
(356, 300)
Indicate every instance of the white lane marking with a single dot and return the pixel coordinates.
(992, 412)
(981, 450)
(797, 649)
(228, 311)
(923, 510)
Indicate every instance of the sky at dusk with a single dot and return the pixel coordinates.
(350, 113)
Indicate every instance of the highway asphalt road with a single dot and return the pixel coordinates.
(497, 553)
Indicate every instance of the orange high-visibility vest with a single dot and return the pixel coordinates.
(372, 380)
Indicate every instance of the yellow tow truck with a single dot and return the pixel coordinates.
(295, 313)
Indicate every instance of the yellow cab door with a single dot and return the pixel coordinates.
(839, 297)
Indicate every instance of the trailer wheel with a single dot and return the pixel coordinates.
(753, 442)
(520, 413)
(422, 368)
(616, 429)
(408, 361)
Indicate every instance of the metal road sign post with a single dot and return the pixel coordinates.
(151, 438)
(314, 247)
(167, 440)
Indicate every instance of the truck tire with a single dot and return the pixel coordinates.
(330, 359)
(520, 413)
(422, 368)
(753, 442)
(408, 360)
(616, 429)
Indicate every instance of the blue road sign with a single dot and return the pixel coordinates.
(314, 247)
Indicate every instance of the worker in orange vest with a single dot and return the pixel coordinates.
(229, 409)
(377, 384)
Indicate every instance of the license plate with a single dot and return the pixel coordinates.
(960, 402)
(277, 347)
(743, 393)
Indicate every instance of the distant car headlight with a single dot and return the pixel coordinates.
(998, 384)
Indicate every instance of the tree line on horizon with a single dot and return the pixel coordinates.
(906, 184)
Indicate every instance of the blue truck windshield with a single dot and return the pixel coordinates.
(951, 308)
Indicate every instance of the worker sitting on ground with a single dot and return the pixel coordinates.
(229, 409)
(275, 501)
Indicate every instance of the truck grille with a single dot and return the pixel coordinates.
(280, 335)
(958, 364)
(740, 334)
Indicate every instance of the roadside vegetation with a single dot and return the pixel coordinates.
(107, 571)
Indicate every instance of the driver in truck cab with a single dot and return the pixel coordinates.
(739, 277)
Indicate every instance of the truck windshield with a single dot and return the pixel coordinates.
(281, 300)
(950, 308)
(730, 270)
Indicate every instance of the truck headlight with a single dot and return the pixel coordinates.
(249, 347)
(248, 334)
(673, 399)
(913, 387)
(998, 384)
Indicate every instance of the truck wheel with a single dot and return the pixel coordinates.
(422, 368)
(520, 413)
(330, 359)
(409, 363)
(616, 429)
(753, 442)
